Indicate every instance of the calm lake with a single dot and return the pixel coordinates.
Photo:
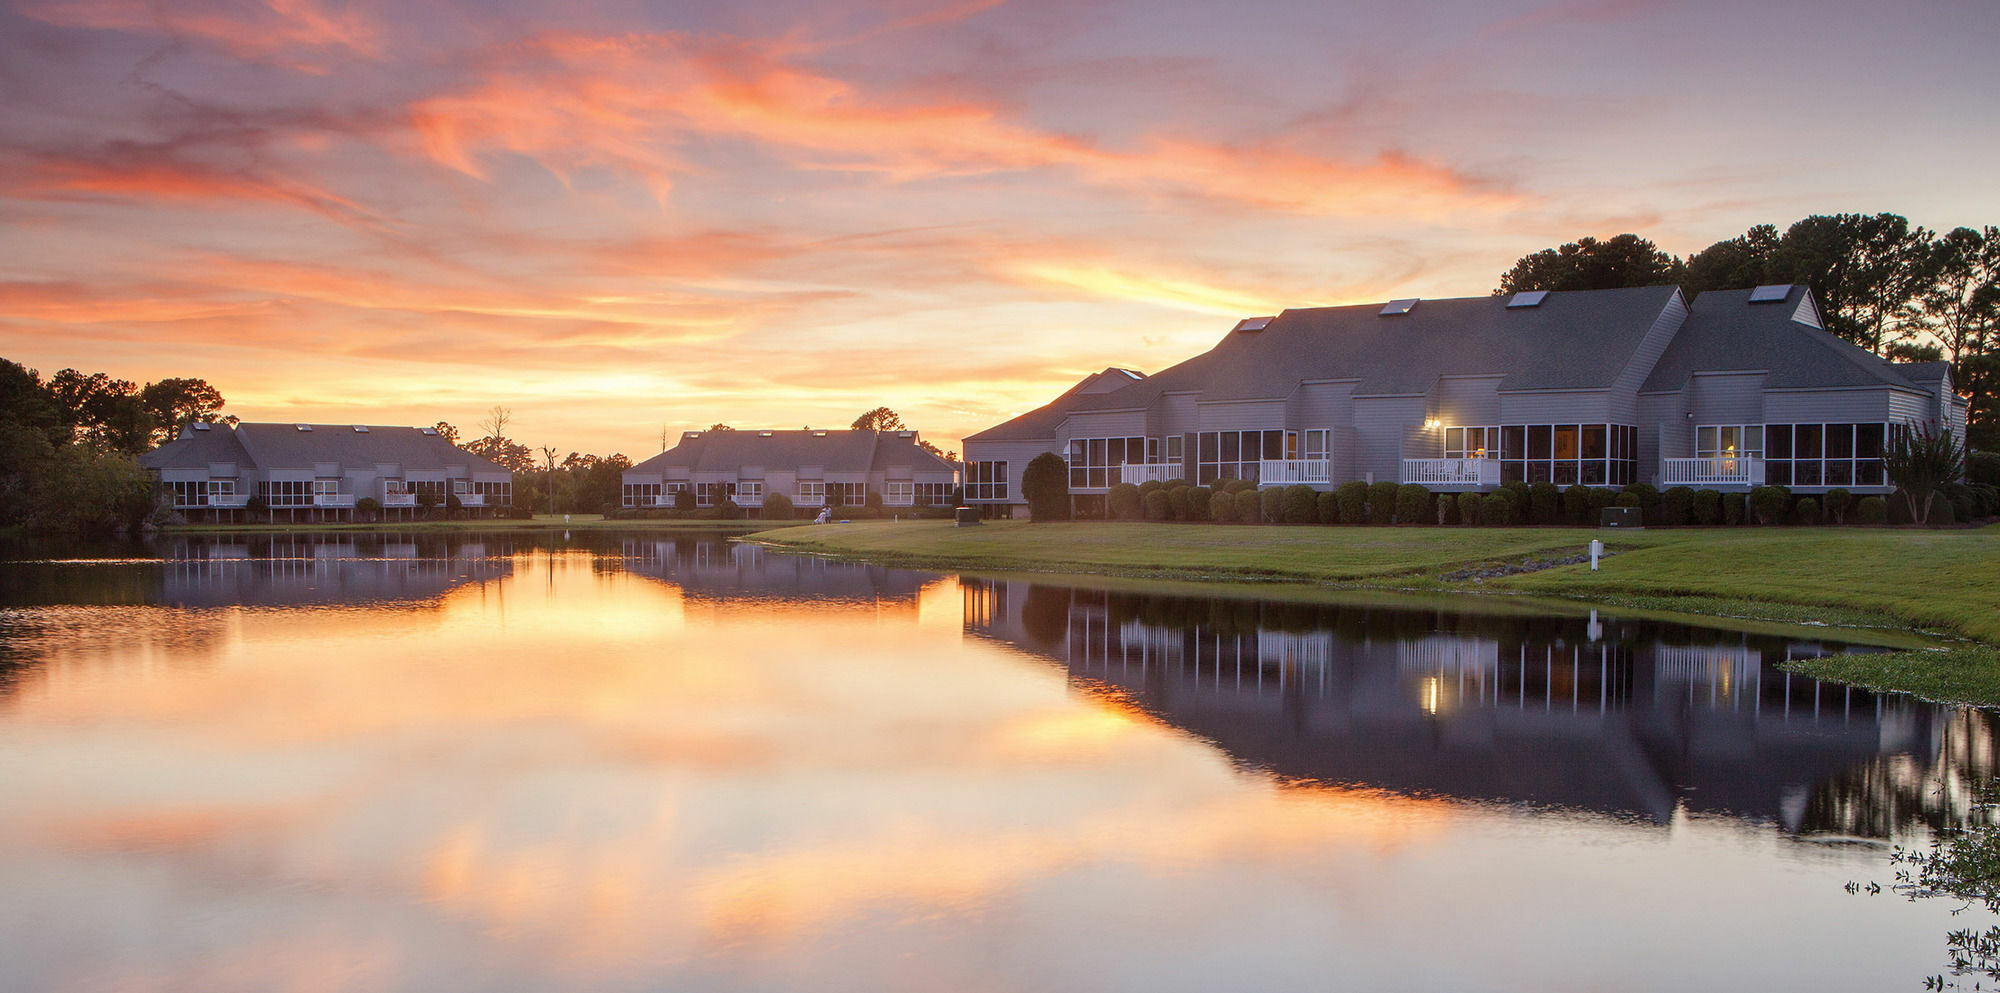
(658, 762)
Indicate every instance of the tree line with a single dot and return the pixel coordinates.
(69, 445)
(1899, 290)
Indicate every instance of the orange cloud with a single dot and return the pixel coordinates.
(258, 30)
(574, 101)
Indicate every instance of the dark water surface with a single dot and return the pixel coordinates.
(651, 762)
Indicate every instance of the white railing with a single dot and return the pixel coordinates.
(225, 501)
(333, 499)
(472, 499)
(1153, 473)
(1463, 473)
(1288, 472)
(399, 500)
(1734, 470)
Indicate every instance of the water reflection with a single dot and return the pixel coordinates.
(1646, 718)
(650, 762)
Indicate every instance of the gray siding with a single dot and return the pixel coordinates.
(1555, 407)
(1107, 424)
(1625, 389)
(1381, 427)
(1912, 407)
(1324, 405)
(1467, 401)
(1242, 415)
(1832, 406)
(1726, 398)
(1665, 432)
(1179, 414)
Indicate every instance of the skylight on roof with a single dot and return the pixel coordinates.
(1531, 298)
(1395, 307)
(1771, 293)
(200, 426)
(363, 429)
(1244, 326)
(303, 427)
(424, 430)
(763, 434)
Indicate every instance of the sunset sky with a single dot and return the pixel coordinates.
(619, 217)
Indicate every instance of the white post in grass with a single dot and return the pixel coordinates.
(1596, 549)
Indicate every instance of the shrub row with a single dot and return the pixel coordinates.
(1355, 503)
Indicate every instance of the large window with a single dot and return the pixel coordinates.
(1563, 454)
(933, 494)
(1094, 462)
(1235, 454)
(750, 492)
(1724, 441)
(812, 494)
(502, 494)
(1829, 455)
(287, 493)
(899, 493)
(642, 495)
(985, 481)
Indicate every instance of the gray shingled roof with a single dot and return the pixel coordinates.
(834, 450)
(1042, 421)
(1579, 340)
(284, 446)
(1725, 332)
(1922, 372)
(196, 449)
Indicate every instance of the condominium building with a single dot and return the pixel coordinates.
(319, 471)
(1598, 387)
(836, 468)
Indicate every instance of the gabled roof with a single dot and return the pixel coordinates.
(1573, 340)
(833, 450)
(196, 449)
(1042, 421)
(1923, 372)
(284, 446)
(1725, 332)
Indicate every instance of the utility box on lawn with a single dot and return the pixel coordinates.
(966, 516)
(1622, 517)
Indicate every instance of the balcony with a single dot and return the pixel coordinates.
(1290, 472)
(472, 499)
(1155, 473)
(333, 500)
(1452, 474)
(1732, 471)
(400, 500)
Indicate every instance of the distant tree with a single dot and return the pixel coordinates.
(495, 421)
(948, 456)
(172, 404)
(1739, 263)
(427, 499)
(104, 412)
(1962, 301)
(719, 426)
(1865, 271)
(1913, 351)
(1589, 264)
(879, 419)
(446, 431)
(1045, 484)
(27, 402)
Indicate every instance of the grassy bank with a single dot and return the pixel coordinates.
(1943, 581)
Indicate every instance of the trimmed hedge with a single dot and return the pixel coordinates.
(1271, 505)
(1413, 505)
(1301, 504)
(1158, 506)
(1326, 507)
(1838, 501)
(1353, 499)
(1249, 507)
(1806, 511)
(777, 507)
(1222, 506)
(1545, 504)
(1707, 507)
(1576, 505)
(1872, 510)
(1677, 506)
(1499, 508)
(1734, 507)
(1382, 503)
(1769, 503)
(1124, 502)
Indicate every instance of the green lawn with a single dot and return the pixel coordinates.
(1944, 581)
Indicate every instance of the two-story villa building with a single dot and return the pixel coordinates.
(318, 471)
(811, 468)
(1600, 387)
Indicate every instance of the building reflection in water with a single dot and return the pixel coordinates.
(1633, 717)
(707, 570)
